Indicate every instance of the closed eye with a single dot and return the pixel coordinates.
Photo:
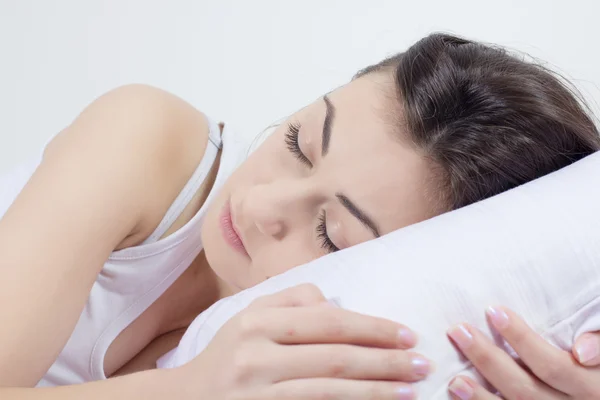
(291, 141)
(324, 238)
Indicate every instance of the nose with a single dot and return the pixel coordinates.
(274, 208)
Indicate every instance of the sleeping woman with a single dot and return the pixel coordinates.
(144, 212)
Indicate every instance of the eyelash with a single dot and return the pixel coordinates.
(326, 242)
(291, 140)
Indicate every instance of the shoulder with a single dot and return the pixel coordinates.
(141, 136)
(138, 115)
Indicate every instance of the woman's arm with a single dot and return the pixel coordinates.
(105, 180)
(147, 385)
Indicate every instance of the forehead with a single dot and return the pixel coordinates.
(371, 162)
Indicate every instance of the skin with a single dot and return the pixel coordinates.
(119, 204)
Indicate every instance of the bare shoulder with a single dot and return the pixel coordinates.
(144, 129)
(140, 115)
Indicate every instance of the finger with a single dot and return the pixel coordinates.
(587, 349)
(323, 388)
(305, 294)
(323, 325)
(347, 362)
(498, 367)
(463, 388)
(553, 366)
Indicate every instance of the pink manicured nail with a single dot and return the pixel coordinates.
(407, 337)
(461, 336)
(587, 349)
(461, 389)
(405, 393)
(498, 317)
(420, 366)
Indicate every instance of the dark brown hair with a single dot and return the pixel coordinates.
(486, 119)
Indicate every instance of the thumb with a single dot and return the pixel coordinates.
(587, 349)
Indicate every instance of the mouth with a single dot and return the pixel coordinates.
(230, 233)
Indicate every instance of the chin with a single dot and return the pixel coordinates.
(221, 259)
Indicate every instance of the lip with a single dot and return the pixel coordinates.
(230, 232)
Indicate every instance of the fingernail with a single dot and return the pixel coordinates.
(498, 317)
(405, 393)
(420, 366)
(587, 349)
(461, 336)
(407, 337)
(461, 389)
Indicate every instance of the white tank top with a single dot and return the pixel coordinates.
(133, 278)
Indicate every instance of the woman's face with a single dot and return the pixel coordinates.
(330, 177)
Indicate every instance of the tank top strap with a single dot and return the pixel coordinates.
(214, 133)
(215, 143)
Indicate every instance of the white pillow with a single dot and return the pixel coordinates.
(535, 249)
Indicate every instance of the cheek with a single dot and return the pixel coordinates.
(256, 169)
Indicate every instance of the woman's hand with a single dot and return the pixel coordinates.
(294, 345)
(549, 373)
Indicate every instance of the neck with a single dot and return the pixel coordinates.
(193, 292)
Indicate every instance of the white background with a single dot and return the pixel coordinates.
(247, 62)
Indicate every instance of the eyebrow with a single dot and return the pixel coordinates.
(359, 214)
(346, 202)
(329, 116)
